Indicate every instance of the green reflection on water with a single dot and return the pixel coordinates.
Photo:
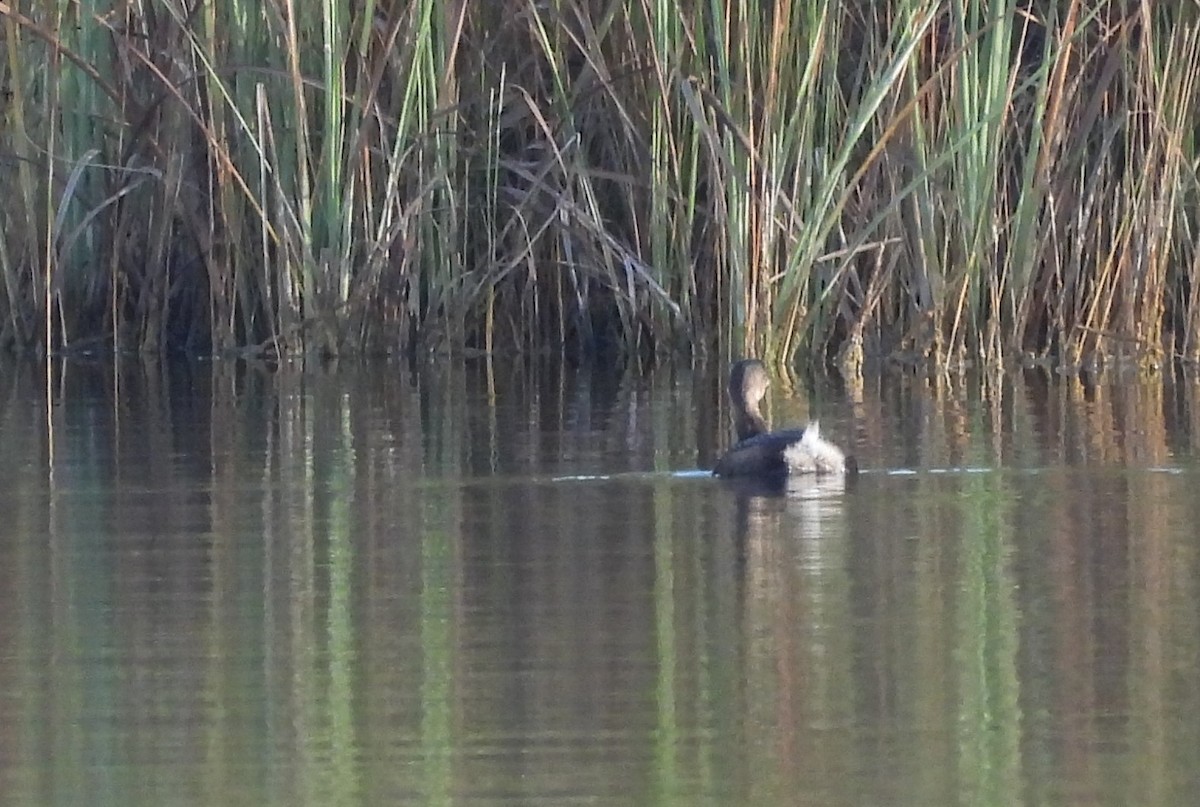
(989, 716)
(344, 745)
(438, 539)
(667, 734)
(316, 599)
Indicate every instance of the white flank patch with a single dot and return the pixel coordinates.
(814, 455)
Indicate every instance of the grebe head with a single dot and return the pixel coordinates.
(748, 382)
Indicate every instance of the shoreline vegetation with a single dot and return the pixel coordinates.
(815, 182)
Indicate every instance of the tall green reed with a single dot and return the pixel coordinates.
(910, 180)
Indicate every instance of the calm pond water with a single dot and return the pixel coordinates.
(364, 585)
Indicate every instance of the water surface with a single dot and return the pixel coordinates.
(368, 585)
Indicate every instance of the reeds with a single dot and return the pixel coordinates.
(913, 180)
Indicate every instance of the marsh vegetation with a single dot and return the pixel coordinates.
(823, 181)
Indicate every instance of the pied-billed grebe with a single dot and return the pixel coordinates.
(759, 452)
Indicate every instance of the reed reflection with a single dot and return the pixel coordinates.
(405, 585)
